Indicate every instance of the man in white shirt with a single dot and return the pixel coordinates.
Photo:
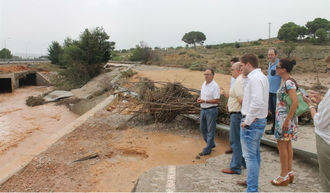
(254, 112)
(322, 131)
(209, 100)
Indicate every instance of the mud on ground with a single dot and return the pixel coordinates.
(119, 154)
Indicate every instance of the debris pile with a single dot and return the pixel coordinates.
(35, 101)
(10, 69)
(166, 102)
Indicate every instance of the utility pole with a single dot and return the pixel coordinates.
(269, 30)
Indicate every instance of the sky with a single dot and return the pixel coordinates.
(27, 27)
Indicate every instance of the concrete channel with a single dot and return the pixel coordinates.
(10, 169)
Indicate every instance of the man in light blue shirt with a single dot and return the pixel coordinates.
(274, 84)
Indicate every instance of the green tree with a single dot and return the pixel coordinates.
(289, 32)
(302, 31)
(54, 52)
(316, 24)
(321, 35)
(194, 37)
(5, 54)
(91, 50)
(84, 58)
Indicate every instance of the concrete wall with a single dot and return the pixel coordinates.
(41, 80)
(15, 77)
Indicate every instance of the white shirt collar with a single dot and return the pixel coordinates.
(208, 83)
(253, 72)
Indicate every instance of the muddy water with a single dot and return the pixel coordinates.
(18, 121)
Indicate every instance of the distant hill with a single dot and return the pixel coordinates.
(309, 57)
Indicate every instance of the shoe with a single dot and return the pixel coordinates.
(291, 177)
(229, 151)
(213, 147)
(229, 171)
(203, 154)
(269, 132)
(281, 181)
(242, 183)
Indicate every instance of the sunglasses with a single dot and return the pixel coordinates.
(278, 66)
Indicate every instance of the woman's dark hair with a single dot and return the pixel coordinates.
(287, 64)
(234, 60)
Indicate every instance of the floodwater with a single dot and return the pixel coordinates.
(18, 121)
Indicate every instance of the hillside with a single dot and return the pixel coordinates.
(310, 58)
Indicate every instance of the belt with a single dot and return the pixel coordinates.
(234, 113)
(209, 108)
(243, 116)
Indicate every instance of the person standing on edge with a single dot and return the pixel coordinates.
(274, 84)
(234, 108)
(232, 81)
(321, 118)
(209, 100)
(286, 121)
(254, 112)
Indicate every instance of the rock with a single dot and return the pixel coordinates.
(98, 85)
(57, 94)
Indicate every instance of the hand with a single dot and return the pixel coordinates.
(307, 100)
(200, 101)
(285, 126)
(243, 125)
(315, 97)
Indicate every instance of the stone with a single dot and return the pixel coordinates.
(57, 94)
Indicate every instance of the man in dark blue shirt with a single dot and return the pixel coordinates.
(274, 84)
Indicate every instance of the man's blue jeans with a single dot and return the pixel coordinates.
(207, 127)
(250, 140)
(237, 160)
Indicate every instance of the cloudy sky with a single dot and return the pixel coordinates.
(28, 26)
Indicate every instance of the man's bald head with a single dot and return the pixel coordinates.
(236, 69)
(237, 66)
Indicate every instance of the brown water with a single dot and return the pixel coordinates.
(18, 121)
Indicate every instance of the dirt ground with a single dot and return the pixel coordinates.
(195, 79)
(10, 69)
(122, 155)
(188, 78)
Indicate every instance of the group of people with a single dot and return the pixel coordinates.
(251, 97)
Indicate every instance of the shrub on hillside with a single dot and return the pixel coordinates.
(141, 53)
(197, 66)
(261, 56)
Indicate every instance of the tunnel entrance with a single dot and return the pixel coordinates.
(28, 80)
(5, 85)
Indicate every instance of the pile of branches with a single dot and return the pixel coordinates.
(168, 101)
